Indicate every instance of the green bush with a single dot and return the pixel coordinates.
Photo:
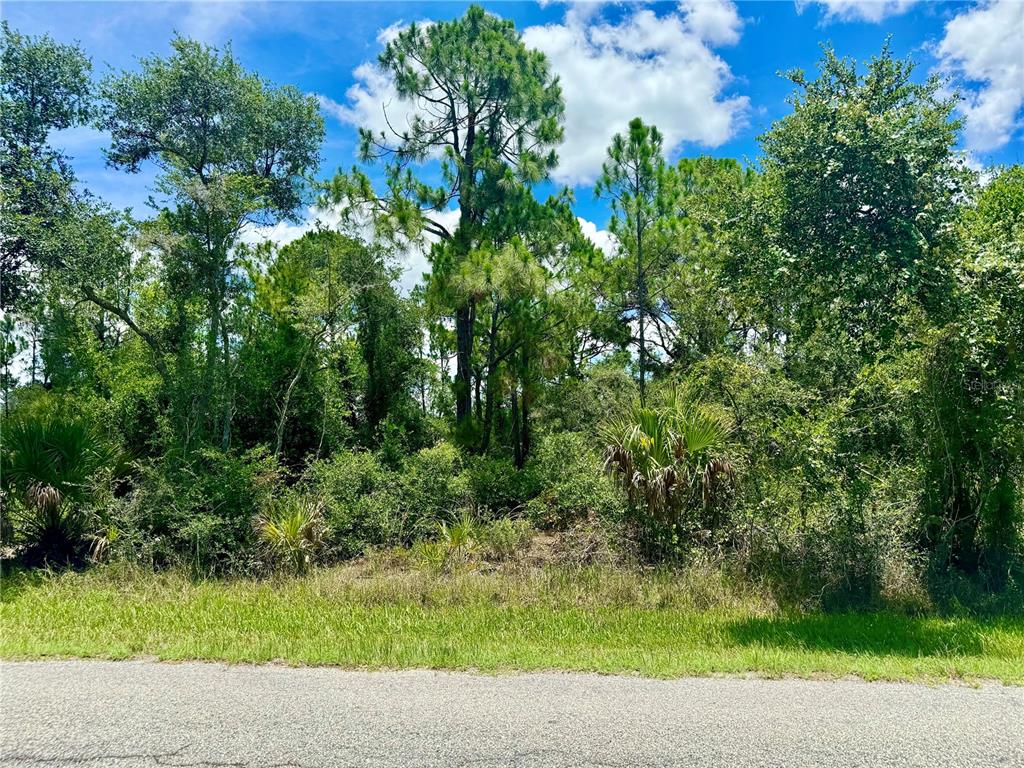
(671, 461)
(359, 509)
(378, 519)
(369, 505)
(52, 468)
(458, 537)
(581, 404)
(292, 529)
(497, 486)
(827, 488)
(342, 479)
(199, 512)
(573, 485)
(434, 483)
(430, 555)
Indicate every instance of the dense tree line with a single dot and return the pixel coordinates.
(810, 367)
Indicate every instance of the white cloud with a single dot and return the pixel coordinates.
(81, 138)
(658, 68)
(983, 46)
(858, 10)
(602, 238)
(285, 232)
(985, 172)
(412, 256)
(373, 101)
(390, 32)
(715, 21)
(213, 20)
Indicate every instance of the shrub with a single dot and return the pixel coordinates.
(434, 485)
(358, 511)
(359, 508)
(292, 529)
(387, 559)
(199, 512)
(50, 531)
(903, 587)
(671, 461)
(497, 486)
(458, 537)
(432, 555)
(972, 510)
(464, 539)
(572, 484)
(580, 404)
(368, 505)
(346, 476)
(51, 467)
(593, 540)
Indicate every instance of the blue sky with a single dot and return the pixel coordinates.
(706, 72)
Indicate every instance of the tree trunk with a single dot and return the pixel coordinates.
(463, 353)
(34, 359)
(492, 347)
(641, 293)
(477, 401)
(7, 382)
(516, 444)
(209, 371)
(228, 407)
(524, 427)
(465, 314)
(283, 414)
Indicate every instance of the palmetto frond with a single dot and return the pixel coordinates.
(293, 530)
(48, 455)
(51, 465)
(668, 457)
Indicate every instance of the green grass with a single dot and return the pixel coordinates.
(661, 625)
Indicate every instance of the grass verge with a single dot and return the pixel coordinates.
(596, 620)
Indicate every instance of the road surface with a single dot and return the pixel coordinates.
(121, 714)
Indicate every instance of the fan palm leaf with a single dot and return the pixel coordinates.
(292, 528)
(50, 465)
(668, 457)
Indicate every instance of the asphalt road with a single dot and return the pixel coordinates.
(151, 714)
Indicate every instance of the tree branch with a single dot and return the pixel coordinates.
(90, 293)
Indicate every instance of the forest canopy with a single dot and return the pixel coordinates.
(807, 367)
